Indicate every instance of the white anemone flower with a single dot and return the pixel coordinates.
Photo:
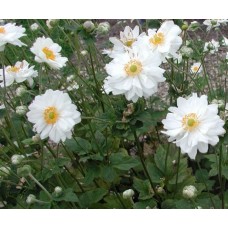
(193, 124)
(196, 68)
(211, 46)
(10, 33)
(127, 38)
(165, 41)
(19, 73)
(53, 115)
(46, 51)
(211, 24)
(135, 74)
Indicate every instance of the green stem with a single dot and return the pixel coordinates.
(143, 162)
(41, 186)
(221, 177)
(178, 166)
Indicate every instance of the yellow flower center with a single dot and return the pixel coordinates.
(129, 42)
(49, 53)
(13, 69)
(2, 30)
(157, 39)
(133, 68)
(51, 115)
(190, 122)
(195, 68)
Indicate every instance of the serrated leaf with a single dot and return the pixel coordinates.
(78, 145)
(123, 162)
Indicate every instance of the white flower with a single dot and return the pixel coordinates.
(88, 26)
(21, 110)
(220, 103)
(16, 159)
(211, 46)
(222, 21)
(46, 51)
(193, 125)
(10, 33)
(134, 74)
(54, 115)
(34, 26)
(189, 192)
(211, 24)
(70, 78)
(225, 41)
(127, 194)
(165, 41)
(196, 68)
(103, 28)
(227, 56)
(73, 86)
(127, 38)
(19, 73)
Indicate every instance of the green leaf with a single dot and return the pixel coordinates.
(68, 196)
(154, 172)
(144, 188)
(160, 158)
(168, 204)
(78, 145)
(123, 162)
(150, 203)
(108, 173)
(93, 196)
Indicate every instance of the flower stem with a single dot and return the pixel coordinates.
(143, 162)
(178, 165)
(41, 186)
(220, 176)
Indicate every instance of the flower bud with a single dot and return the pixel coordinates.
(160, 190)
(16, 159)
(4, 171)
(31, 199)
(186, 51)
(103, 28)
(36, 138)
(58, 191)
(89, 26)
(84, 52)
(3, 204)
(20, 91)
(184, 26)
(34, 26)
(24, 171)
(51, 22)
(128, 194)
(189, 192)
(21, 110)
